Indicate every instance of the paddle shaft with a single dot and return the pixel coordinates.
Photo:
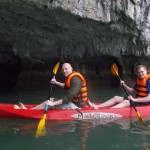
(49, 96)
(55, 69)
(50, 91)
(133, 105)
(41, 125)
(115, 72)
(131, 101)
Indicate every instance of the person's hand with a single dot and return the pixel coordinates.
(131, 98)
(122, 82)
(49, 103)
(94, 106)
(51, 99)
(53, 81)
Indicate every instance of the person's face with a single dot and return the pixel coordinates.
(141, 73)
(66, 69)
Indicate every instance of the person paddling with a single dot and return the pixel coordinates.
(141, 90)
(77, 96)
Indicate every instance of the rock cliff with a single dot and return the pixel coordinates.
(35, 34)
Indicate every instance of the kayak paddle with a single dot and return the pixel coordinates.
(114, 70)
(41, 131)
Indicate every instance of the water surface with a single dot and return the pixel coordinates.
(124, 134)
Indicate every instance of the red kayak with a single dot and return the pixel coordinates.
(8, 111)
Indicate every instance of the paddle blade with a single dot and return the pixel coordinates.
(140, 118)
(56, 68)
(41, 131)
(114, 69)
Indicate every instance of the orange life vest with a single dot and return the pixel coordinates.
(141, 88)
(82, 94)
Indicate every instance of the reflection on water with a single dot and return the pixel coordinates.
(75, 135)
(144, 132)
(17, 126)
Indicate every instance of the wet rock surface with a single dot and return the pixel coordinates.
(93, 34)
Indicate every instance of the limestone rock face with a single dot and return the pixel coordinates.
(91, 33)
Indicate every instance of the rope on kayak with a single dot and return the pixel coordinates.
(79, 112)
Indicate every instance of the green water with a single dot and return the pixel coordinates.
(124, 134)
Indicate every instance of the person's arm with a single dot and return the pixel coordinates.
(75, 86)
(60, 84)
(129, 89)
(141, 99)
(54, 103)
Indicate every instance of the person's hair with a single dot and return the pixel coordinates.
(140, 66)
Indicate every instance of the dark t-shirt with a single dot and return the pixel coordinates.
(148, 86)
(75, 87)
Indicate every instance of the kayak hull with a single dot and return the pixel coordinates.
(8, 111)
